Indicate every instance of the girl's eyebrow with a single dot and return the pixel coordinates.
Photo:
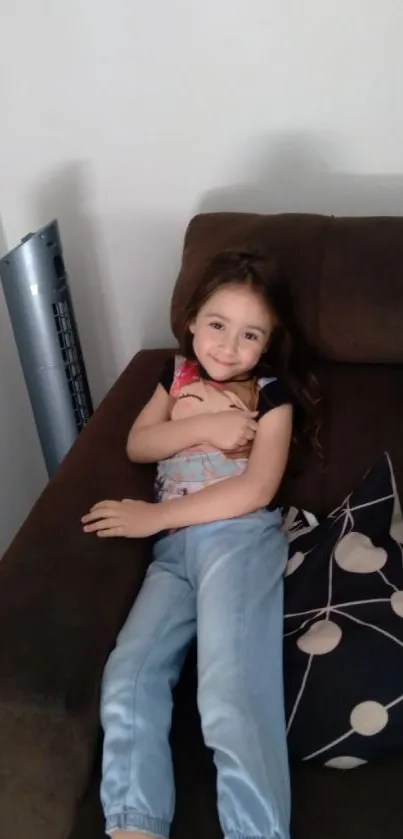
(227, 320)
(216, 315)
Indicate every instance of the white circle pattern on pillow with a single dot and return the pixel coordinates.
(369, 718)
(397, 603)
(322, 637)
(344, 762)
(356, 553)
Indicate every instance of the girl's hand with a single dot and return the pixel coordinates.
(228, 430)
(132, 519)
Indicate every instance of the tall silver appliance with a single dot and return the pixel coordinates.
(36, 290)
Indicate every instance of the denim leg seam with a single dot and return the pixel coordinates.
(246, 704)
(135, 682)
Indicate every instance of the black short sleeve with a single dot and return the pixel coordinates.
(273, 393)
(167, 374)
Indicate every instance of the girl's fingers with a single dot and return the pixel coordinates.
(99, 512)
(113, 531)
(101, 504)
(101, 524)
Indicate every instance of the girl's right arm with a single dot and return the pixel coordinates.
(154, 437)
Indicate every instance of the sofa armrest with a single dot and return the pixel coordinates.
(63, 597)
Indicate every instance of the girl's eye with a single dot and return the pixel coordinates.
(250, 336)
(215, 324)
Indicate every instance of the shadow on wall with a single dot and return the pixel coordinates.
(121, 272)
(21, 463)
(285, 173)
(300, 173)
(145, 251)
(65, 196)
(3, 243)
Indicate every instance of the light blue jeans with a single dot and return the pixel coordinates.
(223, 583)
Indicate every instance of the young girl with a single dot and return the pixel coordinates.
(219, 425)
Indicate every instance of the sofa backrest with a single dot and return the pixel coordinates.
(346, 278)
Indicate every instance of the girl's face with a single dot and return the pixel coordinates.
(231, 331)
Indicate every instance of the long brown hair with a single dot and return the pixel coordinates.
(288, 354)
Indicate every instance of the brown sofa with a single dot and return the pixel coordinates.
(64, 595)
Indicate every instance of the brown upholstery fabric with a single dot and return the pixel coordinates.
(63, 595)
(345, 275)
(363, 416)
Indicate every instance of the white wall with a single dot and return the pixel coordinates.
(123, 119)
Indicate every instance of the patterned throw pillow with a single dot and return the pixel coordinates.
(343, 636)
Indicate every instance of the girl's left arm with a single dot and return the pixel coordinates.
(227, 499)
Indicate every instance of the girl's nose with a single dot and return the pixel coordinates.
(230, 343)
